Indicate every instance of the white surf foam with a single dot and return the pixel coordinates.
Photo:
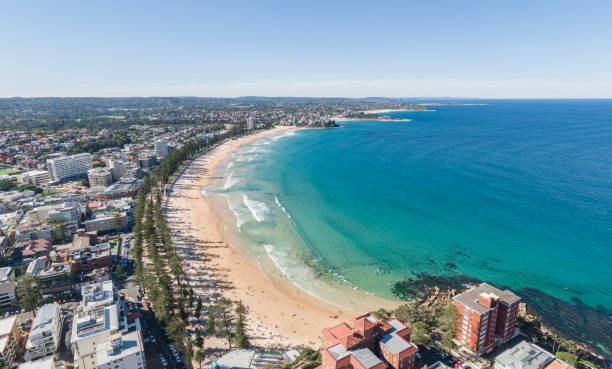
(239, 220)
(204, 193)
(230, 181)
(281, 206)
(231, 164)
(258, 209)
(286, 134)
(270, 251)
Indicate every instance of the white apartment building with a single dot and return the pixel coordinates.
(34, 177)
(44, 337)
(161, 148)
(8, 299)
(251, 123)
(117, 167)
(99, 177)
(98, 319)
(66, 167)
(123, 351)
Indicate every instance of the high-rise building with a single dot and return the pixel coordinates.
(486, 317)
(117, 167)
(44, 338)
(102, 336)
(161, 148)
(69, 167)
(99, 177)
(251, 123)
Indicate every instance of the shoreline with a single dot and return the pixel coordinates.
(280, 313)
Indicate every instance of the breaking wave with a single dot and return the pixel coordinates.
(259, 209)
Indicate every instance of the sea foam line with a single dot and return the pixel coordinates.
(230, 181)
(281, 206)
(277, 262)
(259, 209)
(286, 134)
(239, 221)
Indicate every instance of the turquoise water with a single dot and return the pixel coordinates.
(515, 193)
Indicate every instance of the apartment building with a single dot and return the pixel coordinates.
(44, 338)
(52, 277)
(105, 221)
(352, 346)
(34, 177)
(69, 167)
(122, 351)
(487, 317)
(98, 319)
(10, 339)
(99, 177)
(8, 300)
(251, 122)
(161, 149)
(117, 167)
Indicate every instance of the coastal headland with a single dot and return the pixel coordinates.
(279, 313)
(377, 114)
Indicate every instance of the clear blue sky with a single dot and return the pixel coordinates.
(306, 48)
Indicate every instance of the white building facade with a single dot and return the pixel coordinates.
(73, 166)
(44, 338)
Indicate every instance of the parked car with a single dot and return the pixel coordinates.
(163, 360)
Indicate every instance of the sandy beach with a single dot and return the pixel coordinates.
(280, 314)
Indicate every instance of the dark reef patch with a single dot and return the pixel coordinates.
(418, 285)
(575, 319)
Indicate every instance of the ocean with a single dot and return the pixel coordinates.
(517, 193)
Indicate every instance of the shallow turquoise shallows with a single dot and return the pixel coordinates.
(514, 192)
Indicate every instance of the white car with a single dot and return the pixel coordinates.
(163, 360)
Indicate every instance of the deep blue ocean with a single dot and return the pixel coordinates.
(517, 193)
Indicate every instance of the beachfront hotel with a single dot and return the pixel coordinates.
(353, 345)
(486, 317)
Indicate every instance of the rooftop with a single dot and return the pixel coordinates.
(558, 364)
(46, 363)
(470, 297)
(5, 274)
(97, 295)
(6, 326)
(366, 358)
(131, 343)
(524, 355)
(93, 322)
(44, 319)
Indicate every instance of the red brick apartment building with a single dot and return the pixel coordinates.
(486, 316)
(353, 345)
